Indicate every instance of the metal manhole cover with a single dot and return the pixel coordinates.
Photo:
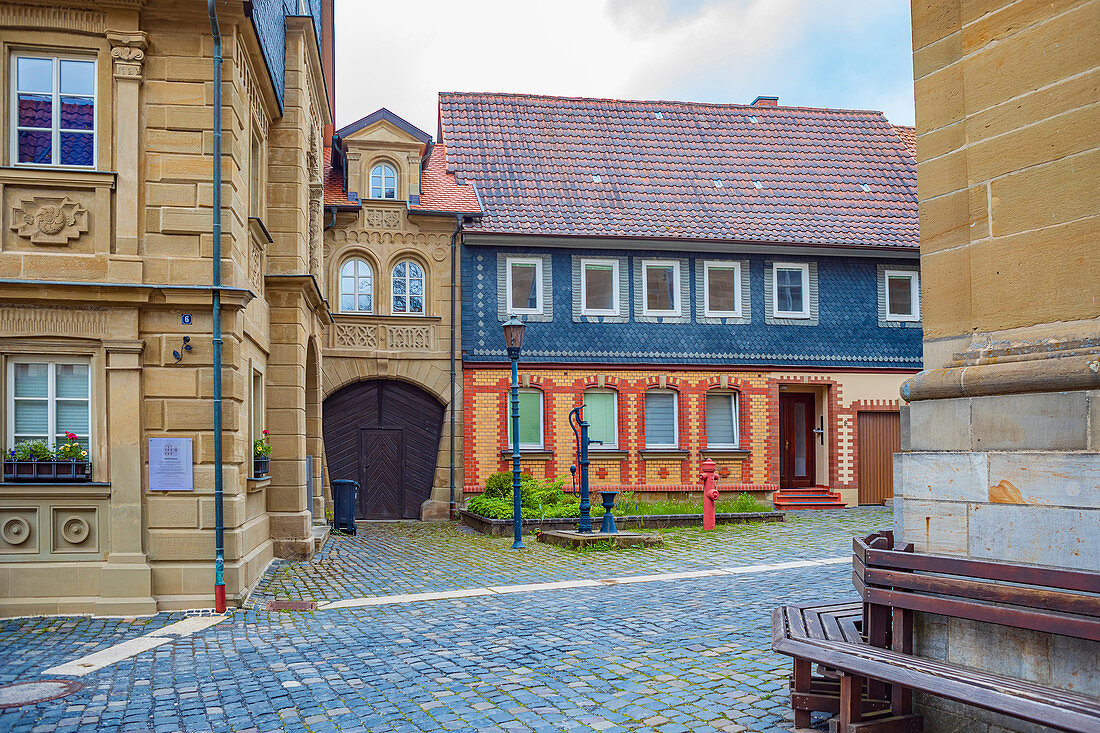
(28, 693)
(291, 605)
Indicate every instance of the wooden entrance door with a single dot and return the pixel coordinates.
(385, 435)
(879, 438)
(381, 473)
(797, 458)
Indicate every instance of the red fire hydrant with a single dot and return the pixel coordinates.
(710, 493)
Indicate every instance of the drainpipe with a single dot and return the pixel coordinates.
(454, 287)
(219, 529)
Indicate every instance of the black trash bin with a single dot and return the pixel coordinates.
(344, 498)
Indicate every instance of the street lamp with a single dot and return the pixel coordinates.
(513, 339)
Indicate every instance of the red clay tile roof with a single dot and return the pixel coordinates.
(439, 191)
(336, 194)
(603, 167)
(908, 135)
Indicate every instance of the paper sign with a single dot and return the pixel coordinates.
(170, 464)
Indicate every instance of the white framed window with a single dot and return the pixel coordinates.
(661, 285)
(791, 290)
(383, 182)
(53, 110)
(257, 411)
(902, 295)
(356, 286)
(530, 418)
(722, 420)
(602, 414)
(47, 398)
(661, 425)
(524, 284)
(407, 288)
(722, 289)
(600, 287)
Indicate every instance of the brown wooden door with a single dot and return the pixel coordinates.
(381, 474)
(879, 438)
(797, 458)
(385, 435)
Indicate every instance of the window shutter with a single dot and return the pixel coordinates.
(660, 419)
(720, 420)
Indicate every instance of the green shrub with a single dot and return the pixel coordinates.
(540, 499)
(32, 449)
(499, 485)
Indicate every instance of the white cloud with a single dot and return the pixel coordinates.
(400, 55)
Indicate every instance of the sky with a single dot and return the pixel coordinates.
(854, 54)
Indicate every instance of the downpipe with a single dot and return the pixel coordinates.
(219, 528)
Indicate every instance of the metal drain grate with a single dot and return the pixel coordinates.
(28, 693)
(291, 605)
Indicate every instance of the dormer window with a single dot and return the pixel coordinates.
(383, 182)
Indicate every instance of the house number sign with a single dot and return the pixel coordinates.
(170, 464)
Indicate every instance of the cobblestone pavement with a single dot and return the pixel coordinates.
(673, 656)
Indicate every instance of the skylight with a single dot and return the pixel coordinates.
(865, 187)
(659, 115)
(752, 118)
(757, 184)
(717, 183)
(596, 179)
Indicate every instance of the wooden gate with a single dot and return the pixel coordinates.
(385, 435)
(879, 437)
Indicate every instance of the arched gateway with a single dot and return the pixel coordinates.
(385, 435)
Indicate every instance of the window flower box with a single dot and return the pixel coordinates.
(47, 470)
(261, 466)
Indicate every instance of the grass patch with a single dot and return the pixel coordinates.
(628, 504)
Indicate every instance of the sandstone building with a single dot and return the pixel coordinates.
(106, 271)
(1003, 444)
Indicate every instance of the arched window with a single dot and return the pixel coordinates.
(383, 182)
(408, 288)
(356, 287)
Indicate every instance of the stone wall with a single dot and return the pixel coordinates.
(1003, 430)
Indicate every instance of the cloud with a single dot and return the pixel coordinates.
(834, 53)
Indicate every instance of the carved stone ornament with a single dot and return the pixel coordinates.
(382, 218)
(49, 220)
(128, 51)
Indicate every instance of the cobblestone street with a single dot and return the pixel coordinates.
(676, 655)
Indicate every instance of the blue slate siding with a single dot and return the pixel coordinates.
(848, 333)
(269, 20)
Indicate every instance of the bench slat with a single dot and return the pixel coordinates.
(1077, 626)
(1078, 580)
(1023, 700)
(992, 591)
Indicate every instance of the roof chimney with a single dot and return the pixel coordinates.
(765, 102)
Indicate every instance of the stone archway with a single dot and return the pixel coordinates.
(385, 435)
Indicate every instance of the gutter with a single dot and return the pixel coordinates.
(219, 518)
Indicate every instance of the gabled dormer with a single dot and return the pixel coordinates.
(383, 155)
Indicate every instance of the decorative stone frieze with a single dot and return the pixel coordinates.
(75, 529)
(356, 336)
(32, 320)
(382, 218)
(55, 19)
(255, 266)
(409, 337)
(49, 220)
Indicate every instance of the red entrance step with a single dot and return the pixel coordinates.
(817, 497)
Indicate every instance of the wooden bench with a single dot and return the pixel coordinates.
(867, 671)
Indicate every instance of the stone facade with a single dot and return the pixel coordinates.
(1003, 433)
(109, 266)
(382, 233)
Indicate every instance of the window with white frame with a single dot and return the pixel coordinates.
(256, 411)
(53, 107)
(661, 429)
(722, 289)
(600, 287)
(722, 420)
(383, 182)
(407, 288)
(356, 287)
(791, 290)
(601, 413)
(530, 419)
(661, 282)
(524, 285)
(47, 398)
(902, 295)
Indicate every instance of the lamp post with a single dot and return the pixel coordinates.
(513, 339)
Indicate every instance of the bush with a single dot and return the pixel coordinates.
(499, 485)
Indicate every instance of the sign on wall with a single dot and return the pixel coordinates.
(170, 464)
